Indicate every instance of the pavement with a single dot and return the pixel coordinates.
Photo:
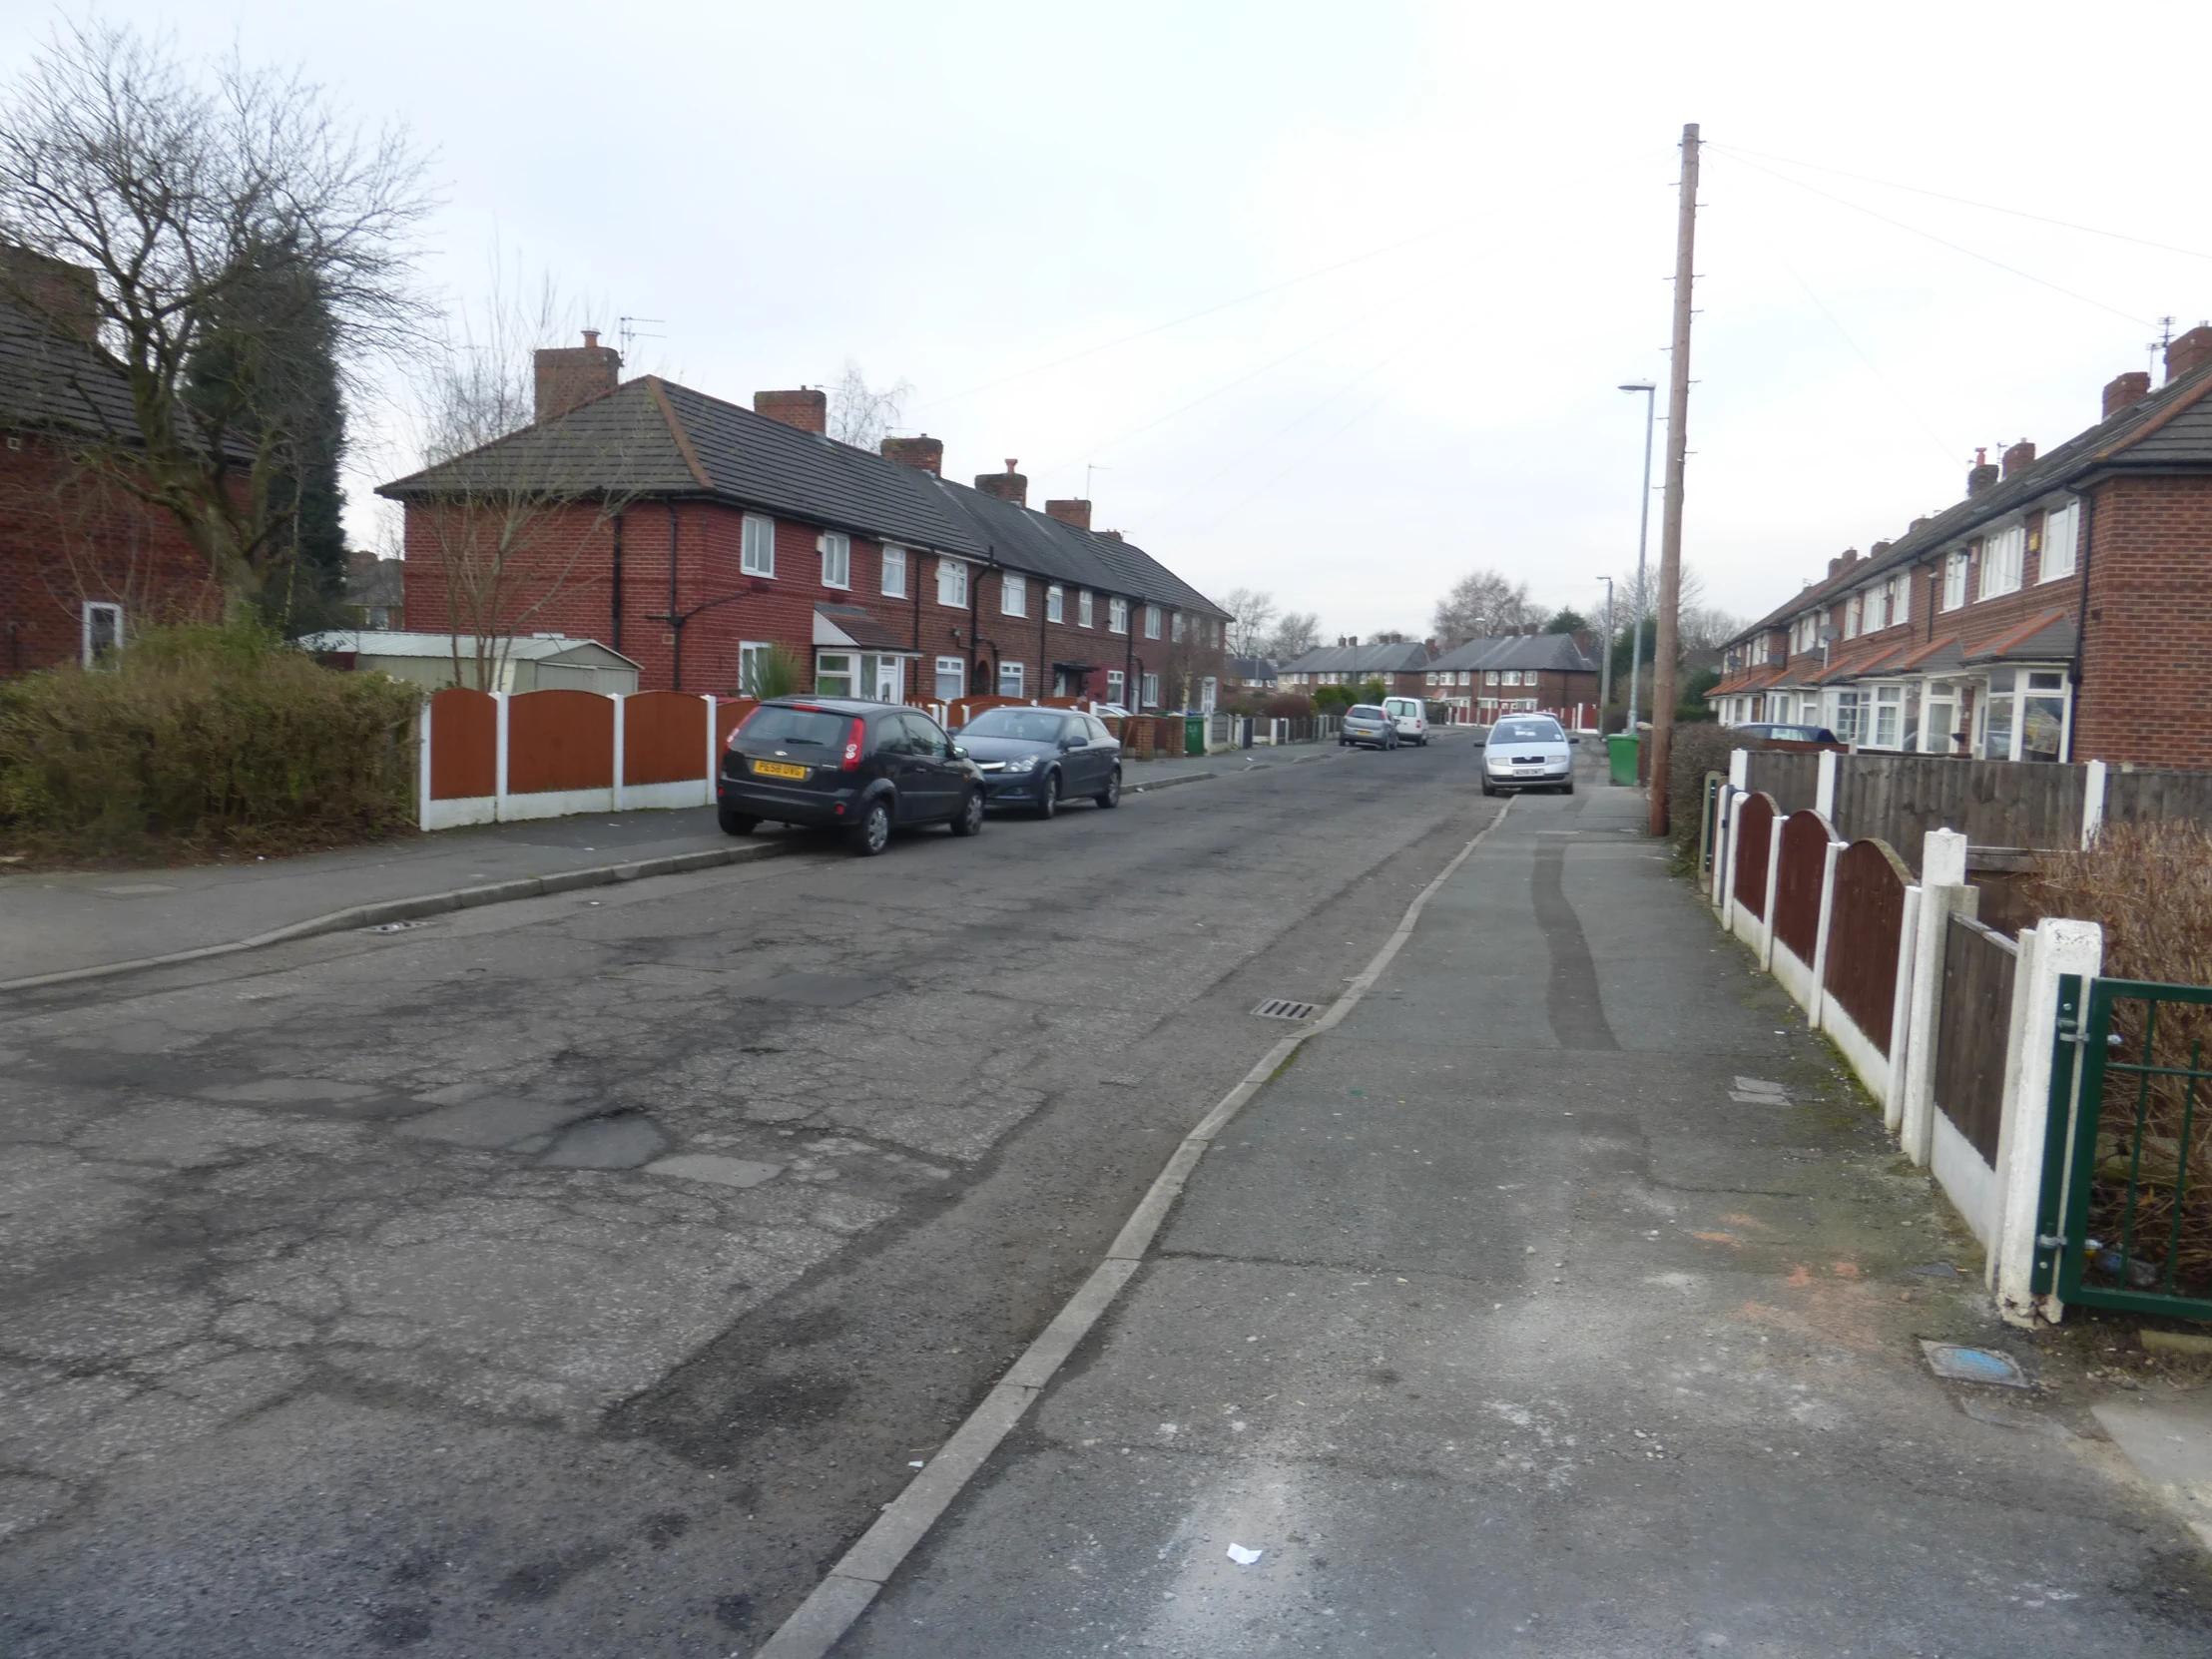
(1565, 1300)
(60, 922)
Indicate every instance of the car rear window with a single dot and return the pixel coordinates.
(774, 722)
(1368, 709)
(1028, 724)
(1527, 731)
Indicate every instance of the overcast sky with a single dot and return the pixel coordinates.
(1464, 216)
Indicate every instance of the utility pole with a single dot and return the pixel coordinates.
(1605, 660)
(1668, 645)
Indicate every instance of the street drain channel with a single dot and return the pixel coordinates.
(1281, 1007)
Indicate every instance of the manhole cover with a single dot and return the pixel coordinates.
(1281, 1007)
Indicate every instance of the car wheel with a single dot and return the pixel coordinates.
(1048, 795)
(735, 824)
(969, 820)
(873, 831)
(1111, 795)
(1567, 788)
(1488, 788)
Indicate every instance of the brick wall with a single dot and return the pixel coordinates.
(2146, 671)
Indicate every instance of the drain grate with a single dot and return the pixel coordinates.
(1281, 1007)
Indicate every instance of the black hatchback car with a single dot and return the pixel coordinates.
(836, 762)
(1042, 757)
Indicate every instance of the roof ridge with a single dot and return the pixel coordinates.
(658, 391)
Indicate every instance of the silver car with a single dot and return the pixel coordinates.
(1528, 752)
(1366, 724)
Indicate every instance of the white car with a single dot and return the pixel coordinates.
(1408, 717)
(1528, 752)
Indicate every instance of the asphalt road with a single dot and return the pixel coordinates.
(579, 1275)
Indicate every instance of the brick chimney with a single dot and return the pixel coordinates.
(926, 452)
(64, 296)
(1077, 513)
(808, 411)
(2124, 390)
(1984, 473)
(2019, 455)
(2188, 353)
(571, 374)
(1109, 535)
(1430, 646)
(1010, 485)
(1919, 524)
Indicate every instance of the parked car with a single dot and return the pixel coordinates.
(1368, 727)
(1785, 733)
(1411, 718)
(836, 762)
(1528, 752)
(1038, 758)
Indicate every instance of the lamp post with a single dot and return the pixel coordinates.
(1605, 660)
(1643, 538)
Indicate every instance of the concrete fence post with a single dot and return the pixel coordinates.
(2061, 947)
(422, 765)
(1728, 864)
(1824, 785)
(2092, 803)
(620, 722)
(1815, 1004)
(1901, 1012)
(1738, 768)
(1944, 894)
(713, 754)
(1774, 875)
(499, 757)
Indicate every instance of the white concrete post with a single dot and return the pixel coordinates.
(1815, 1004)
(499, 756)
(2092, 803)
(2061, 947)
(422, 765)
(713, 753)
(1824, 785)
(620, 722)
(1738, 768)
(1774, 875)
(1943, 890)
(1728, 866)
(1901, 1012)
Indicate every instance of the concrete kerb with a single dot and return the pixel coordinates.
(425, 904)
(836, 1603)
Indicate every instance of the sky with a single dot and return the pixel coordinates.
(1331, 301)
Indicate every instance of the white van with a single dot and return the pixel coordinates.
(1410, 719)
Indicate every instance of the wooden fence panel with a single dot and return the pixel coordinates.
(1972, 1030)
(464, 745)
(1899, 798)
(1866, 924)
(560, 739)
(1792, 778)
(1797, 883)
(1754, 825)
(2142, 796)
(664, 738)
(730, 713)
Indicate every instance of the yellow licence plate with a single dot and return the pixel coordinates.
(777, 769)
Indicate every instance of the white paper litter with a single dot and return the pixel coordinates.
(1244, 1558)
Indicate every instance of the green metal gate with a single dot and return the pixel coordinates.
(2126, 1211)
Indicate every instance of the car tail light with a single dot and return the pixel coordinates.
(854, 741)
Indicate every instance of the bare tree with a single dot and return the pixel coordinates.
(226, 214)
(1482, 603)
(861, 414)
(1250, 616)
(1296, 632)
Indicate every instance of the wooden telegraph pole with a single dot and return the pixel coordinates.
(1667, 648)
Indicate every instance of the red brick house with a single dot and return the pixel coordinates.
(2061, 611)
(1402, 668)
(1516, 674)
(692, 534)
(84, 562)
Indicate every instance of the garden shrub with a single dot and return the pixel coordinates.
(200, 738)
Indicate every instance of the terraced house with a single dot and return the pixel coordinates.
(1516, 674)
(694, 535)
(2061, 611)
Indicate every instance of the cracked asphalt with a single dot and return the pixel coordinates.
(579, 1275)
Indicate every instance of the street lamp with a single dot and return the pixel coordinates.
(1605, 661)
(1643, 537)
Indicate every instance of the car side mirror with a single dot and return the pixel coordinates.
(958, 753)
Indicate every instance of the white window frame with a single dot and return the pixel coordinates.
(1014, 593)
(1149, 688)
(954, 668)
(1010, 673)
(1117, 614)
(952, 583)
(2070, 516)
(894, 571)
(89, 652)
(1900, 597)
(836, 559)
(1082, 607)
(757, 555)
(1115, 685)
(1850, 617)
(1875, 613)
(1055, 603)
(1955, 579)
(1152, 622)
(2004, 561)
(1177, 626)
(750, 654)
(849, 674)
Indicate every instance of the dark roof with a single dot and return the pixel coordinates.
(1556, 652)
(652, 439)
(1408, 658)
(1251, 669)
(2048, 637)
(50, 379)
(862, 627)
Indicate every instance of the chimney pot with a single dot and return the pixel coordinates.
(1077, 513)
(1010, 485)
(2124, 391)
(2020, 456)
(926, 452)
(807, 408)
(568, 375)
(1915, 528)
(2186, 354)
(1877, 549)
(1982, 475)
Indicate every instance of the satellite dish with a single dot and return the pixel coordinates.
(1828, 633)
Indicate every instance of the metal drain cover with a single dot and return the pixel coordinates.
(1281, 1007)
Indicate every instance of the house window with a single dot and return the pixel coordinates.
(1117, 616)
(1850, 617)
(1114, 683)
(1151, 691)
(1489, 677)
(836, 559)
(1889, 705)
(1877, 608)
(1010, 679)
(1176, 626)
(1954, 580)
(832, 674)
(2000, 562)
(1942, 717)
(2044, 711)
(1900, 597)
(752, 658)
(1152, 622)
(1013, 594)
(1082, 607)
(757, 557)
(2062, 528)
(952, 587)
(103, 630)
(1055, 603)
(951, 671)
(894, 571)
